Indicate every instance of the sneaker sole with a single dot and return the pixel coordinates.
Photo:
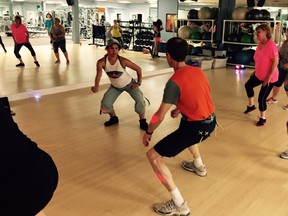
(192, 170)
(271, 102)
(172, 213)
(283, 157)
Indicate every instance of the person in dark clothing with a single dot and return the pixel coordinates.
(28, 176)
(157, 28)
(2, 44)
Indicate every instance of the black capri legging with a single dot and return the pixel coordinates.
(282, 75)
(17, 48)
(59, 44)
(263, 94)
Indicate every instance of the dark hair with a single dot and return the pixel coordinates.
(177, 48)
(48, 14)
(17, 17)
(57, 19)
(159, 22)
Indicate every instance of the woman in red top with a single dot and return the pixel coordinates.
(21, 38)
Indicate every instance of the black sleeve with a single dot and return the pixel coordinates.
(171, 93)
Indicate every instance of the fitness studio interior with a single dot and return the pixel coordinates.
(104, 170)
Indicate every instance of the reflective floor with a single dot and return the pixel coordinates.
(18, 82)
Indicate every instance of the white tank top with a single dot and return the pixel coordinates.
(117, 74)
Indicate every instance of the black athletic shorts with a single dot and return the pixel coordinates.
(189, 133)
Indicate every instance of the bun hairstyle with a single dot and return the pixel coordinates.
(159, 22)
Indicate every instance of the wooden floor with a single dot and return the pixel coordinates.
(103, 171)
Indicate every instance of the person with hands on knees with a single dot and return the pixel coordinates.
(114, 66)
(189, 90)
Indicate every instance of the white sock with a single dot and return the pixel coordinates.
(177, 197)
(198, 162)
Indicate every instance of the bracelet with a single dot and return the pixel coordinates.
(149, 133)
(139, 82)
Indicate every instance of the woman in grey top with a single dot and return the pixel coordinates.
(283, 73)
(57, 34)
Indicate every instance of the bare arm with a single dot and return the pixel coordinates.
(121, 31)
(27, 35)
(272, 70)
(99, 66)
(62, 32)
(133, 66)
(155, 121)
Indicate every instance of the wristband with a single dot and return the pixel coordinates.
(139, 82)
(149, 133)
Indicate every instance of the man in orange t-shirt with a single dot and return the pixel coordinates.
(21, 38)
(189, 90)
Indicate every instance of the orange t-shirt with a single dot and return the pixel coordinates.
(189, 90)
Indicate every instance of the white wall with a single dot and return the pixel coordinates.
(165, 7)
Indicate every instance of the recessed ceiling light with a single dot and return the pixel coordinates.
(124, 2)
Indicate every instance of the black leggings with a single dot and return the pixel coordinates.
(17, 48)
(2, 44)
(263, 94)
(61, 45)
(282, 75)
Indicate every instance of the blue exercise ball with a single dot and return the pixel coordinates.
(243, 57)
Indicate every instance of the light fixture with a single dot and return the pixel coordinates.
(124, 2)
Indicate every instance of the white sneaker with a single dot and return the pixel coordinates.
(201, 171)
(285, 107)
(284, 154)
(271, 100)
(169, 208)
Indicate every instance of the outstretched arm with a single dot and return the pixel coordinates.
(155, 121)
(133, 66)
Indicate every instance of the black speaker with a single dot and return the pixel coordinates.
(139, 18)
(70, 2)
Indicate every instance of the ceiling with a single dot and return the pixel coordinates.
(268, 3)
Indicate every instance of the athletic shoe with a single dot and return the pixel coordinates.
(37, 63)
(143, 124)
(201, 171)
(284, 154)
(261, 122)
(169, 208)
(249, 109)
(285, 107)
(113, 120)
(20, 65)
(271, 100)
